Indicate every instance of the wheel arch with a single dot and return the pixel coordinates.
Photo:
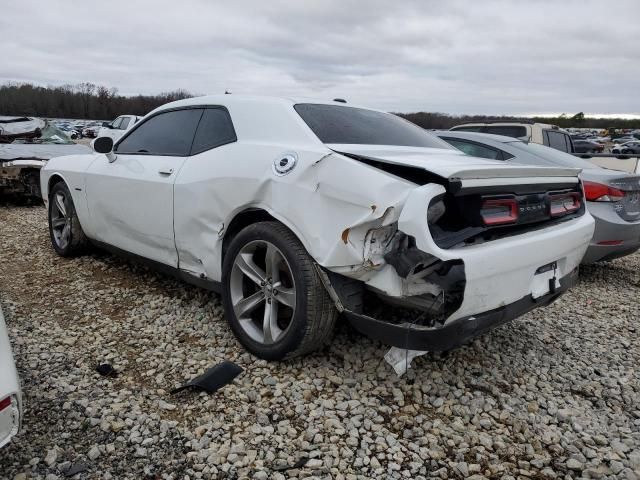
(249, 216)
(53, 179)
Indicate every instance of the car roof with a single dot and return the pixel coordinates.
(230, 100)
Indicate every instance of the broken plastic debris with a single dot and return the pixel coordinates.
(74, 469)
(299, 464)
(400, 358)
(106, 370)
(214, 378)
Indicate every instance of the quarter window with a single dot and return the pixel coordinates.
(215, 129)
(168, 133)
(475, 149)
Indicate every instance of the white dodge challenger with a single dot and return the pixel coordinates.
(297, 210)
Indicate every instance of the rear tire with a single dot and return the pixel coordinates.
(67, 237)
(274, 299)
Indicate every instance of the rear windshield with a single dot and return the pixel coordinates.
(554, 156)
(349, 125)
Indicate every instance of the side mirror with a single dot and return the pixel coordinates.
(103, 144)
(105, 124)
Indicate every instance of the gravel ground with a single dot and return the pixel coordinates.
(555, 394)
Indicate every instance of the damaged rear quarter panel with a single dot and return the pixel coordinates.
(329, 201)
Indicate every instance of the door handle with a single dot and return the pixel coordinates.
(165, 171)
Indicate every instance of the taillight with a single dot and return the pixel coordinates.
(598, 192)
(5, 403)
(499, 211)
(564, 203)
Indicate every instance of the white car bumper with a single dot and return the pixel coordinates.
(10, 396)
(504, 278)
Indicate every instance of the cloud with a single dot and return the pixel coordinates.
(457, 56)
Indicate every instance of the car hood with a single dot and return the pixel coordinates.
(450, 164)
(36, 151)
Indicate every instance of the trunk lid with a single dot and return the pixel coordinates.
(453, 165)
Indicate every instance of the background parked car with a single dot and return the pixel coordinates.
(78, 127)
(541, 133)
(118, 127)
(624, 139)
(71, 133)
(10, 395)
(613, 197)
(26, 144)
(92, 129)
(632, 147)
(587, 146)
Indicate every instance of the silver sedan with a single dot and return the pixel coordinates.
(613, 197)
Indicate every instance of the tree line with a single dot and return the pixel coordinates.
(84, 100)
(97, 102)
(443, 121)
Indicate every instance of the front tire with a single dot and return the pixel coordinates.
(274, 299)
(67, 237)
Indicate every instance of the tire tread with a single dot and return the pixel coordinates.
(321, 311)
(79, 242)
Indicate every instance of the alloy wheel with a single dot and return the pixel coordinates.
(61, 220)
(263, 291)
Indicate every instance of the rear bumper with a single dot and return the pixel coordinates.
(10, 418)
(501, 272)
(454, 333)
(603, 253)
(610, 227)
(501, 278)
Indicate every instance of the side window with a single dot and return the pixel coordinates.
(116, 122)
(506, 130)
(125, 123)
(558, 141)
(475, 149)
(168, 133)
(215, 129)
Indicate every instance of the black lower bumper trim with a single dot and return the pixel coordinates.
(457, 332)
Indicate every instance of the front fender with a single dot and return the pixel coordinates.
(71, 169)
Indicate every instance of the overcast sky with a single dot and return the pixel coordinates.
(491, 57)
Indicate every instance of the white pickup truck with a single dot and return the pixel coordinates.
(118, 127)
